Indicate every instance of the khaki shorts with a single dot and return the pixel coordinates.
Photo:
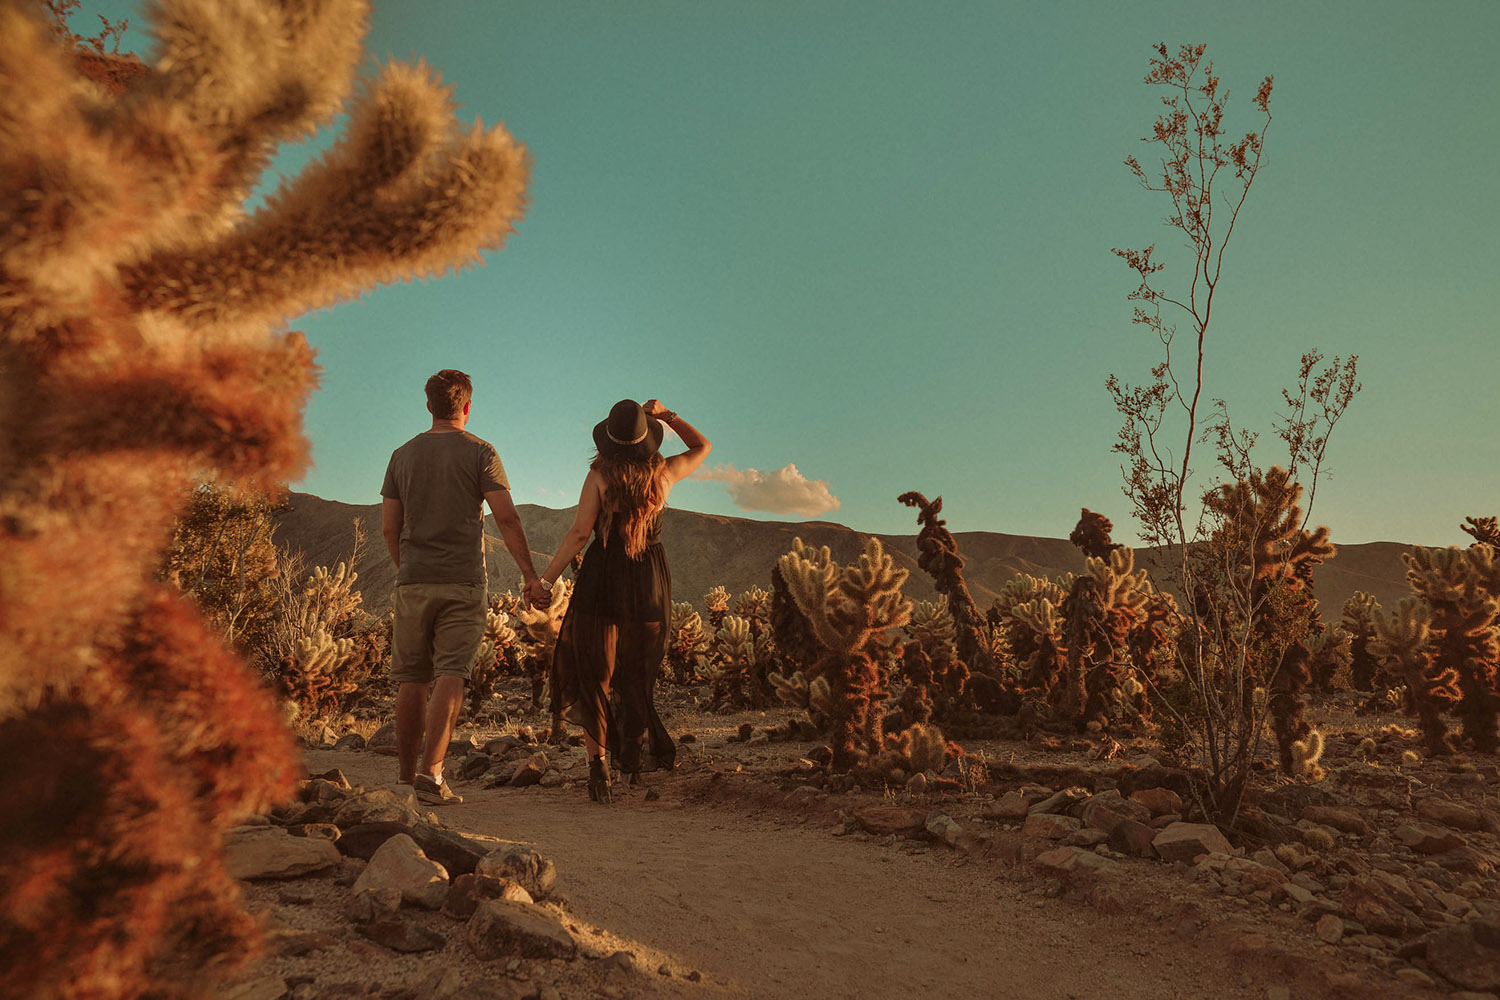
(439, 627)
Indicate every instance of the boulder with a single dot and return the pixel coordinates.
(399, 934)
(536, 874)
(1048, 826)
(468, 891)
(1059, 802)
(1109, 809)
(1329, 928)
(1134, 839)
(1011, 805)
(383, 741)
(455, 851)
(270, 852)
(529, 771)
(1448, 813)
(884, 820)
(1340, 818)
(350, 741)
(942, 826)
(1468, 955)
(502, 928)
(1425, 838)
(370, 906)
(1160, 801)
(1068, 859)
(380, 805)
(1377, 903)
(400, 864)
(1186, 841)
(473, 766)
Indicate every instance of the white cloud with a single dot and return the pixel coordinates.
(785, 491)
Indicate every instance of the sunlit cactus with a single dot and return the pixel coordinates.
(716, 606)
(1358, 623)
(686, 641)
(939, 558)
(935, 678)
(754, 605)
(1091, 534)
(741, 663)
(1330, 655)
(1405, 641)
(814, 696)
(1108, 599)
(1306, 753)
(1455, 584)
(498, 653)
(852, 612)
(1484, 529)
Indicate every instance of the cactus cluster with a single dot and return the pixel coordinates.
(939, 558)
(142, 349)
(934, 678)
(499, 653)
(852, 612)
(1357, 621)
(328, 646)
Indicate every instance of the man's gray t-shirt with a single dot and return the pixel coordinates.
(441, 479)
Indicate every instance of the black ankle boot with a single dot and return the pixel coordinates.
(598, 782)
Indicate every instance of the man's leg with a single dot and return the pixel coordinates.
(411, 714)
(442, 714)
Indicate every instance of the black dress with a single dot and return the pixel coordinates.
(611, 647)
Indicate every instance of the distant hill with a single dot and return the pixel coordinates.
(706, 550)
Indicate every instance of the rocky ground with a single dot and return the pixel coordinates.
(1025, 869)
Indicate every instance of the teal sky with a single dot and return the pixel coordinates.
(872, 240)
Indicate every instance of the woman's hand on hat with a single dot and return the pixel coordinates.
(654, 408)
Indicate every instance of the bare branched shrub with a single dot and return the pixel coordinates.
(1234, 636)
(142, 350)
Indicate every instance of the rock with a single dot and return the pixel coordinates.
(1134, 839)
(380, 805)
(325, 831)
(468, 891)
(1415, 976)
(1377, 903)
(553, 778)
(1087, 837)
(1468, 955)
(270, 852)
(372, 905)
(457, 852)
(1186, 841)
(1448, 813)
(1466, 860)
(402, 935)
(1296, 893)
(502, 928)
(1160, 801)
(1060, 801)
(1165, 820)
(350, 741)
(296, 895)
(1426, 839)
(1267, 857)
(536, 874)
(942, 826)
(1011, 805)
(262, 988)
(1108, 810)
(884, 820)
(1339, 817)
(1329, 928)
(1067, 859)
(461, 745)
(400, 864)
(1048, 826)
(917, 784)
(473, 766)
(383, 741)
(529, 771)
(297, 943)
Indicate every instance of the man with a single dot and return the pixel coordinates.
(433, 521)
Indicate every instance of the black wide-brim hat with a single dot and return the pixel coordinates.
(628, 433)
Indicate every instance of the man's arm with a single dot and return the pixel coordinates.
(509, 524)
(390, 527)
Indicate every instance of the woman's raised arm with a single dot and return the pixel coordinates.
(679, 467)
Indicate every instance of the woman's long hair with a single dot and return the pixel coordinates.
(632, 491)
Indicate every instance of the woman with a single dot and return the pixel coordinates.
(614, 635)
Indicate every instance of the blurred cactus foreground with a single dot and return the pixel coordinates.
(142, 349)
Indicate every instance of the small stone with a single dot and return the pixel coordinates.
(1468, 954)
(402, 935)
(942, 826)
(1048, 826)
(468, 891)
(501, 928)
(370, 906)
(1426, 839)
(538, 875)
(1409, 974)
(1186, 841)
(882, 820)
(1068, 859)
(623, 961)
(1448, 813)
(1011, 805)
(474, 765)
(1329, 928)
(1159, 800)
(383, 741)
(1087, 837)
(349, 741)
(663, 970)
(401, 865)
(259, 852)
(296, 895)
(552, 778)
(1062, 801)
(1339, 817)
(917, 784)
(529, 772)
(694, 976)
(1134, 839)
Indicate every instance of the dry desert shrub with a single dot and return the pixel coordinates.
(142, 350)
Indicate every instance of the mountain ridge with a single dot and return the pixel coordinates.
(707, 550)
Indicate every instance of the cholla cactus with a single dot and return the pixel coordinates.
(1330, 658)
(1091, 534)
(741, 659)
(1358, 623)
(142, 312)
(1107, 601)
(687, 640)
(754, 605)
(815, 695)
(940, 559)
(1461, 587)
(1306, 753)
(498, 652)
(935, 677)
(852, 612)
(1484, 529)
(325, 647)
(716, 606)
(540, 626)
(1404, 640)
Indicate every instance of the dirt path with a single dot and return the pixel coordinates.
(772, 907)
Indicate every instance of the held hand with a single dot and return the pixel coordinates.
(535, 596)
(654, 408)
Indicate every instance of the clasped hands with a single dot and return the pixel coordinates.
(535, 596)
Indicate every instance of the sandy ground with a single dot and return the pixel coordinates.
(748, 886)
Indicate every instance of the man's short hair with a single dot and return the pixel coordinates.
(447, 393)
